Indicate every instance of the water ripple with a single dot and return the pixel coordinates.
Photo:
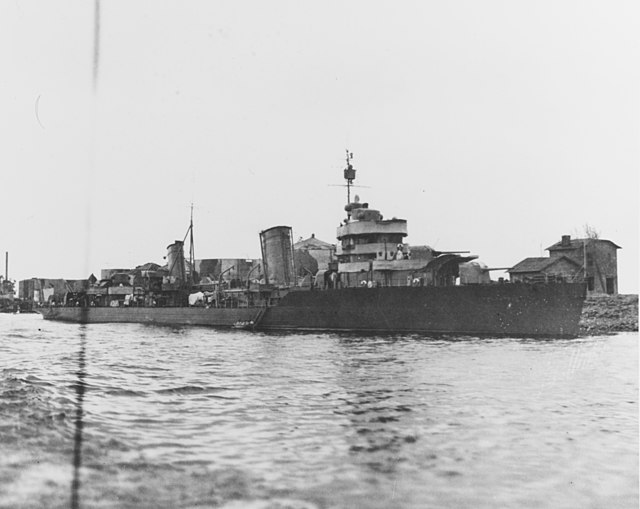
(189, 417)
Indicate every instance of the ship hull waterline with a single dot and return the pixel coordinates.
(519, 310)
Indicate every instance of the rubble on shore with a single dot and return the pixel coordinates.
(608, 314)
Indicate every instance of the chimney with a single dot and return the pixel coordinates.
(566, 240)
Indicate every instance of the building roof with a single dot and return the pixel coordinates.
(577, 243)
(312, 243)
(538, 264)
(148, 266)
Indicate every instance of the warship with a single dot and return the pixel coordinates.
(377, 283)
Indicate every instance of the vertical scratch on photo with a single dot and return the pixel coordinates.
(96, 43)
(81, 373)
(77, 439)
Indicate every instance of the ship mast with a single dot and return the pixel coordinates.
(349, 175)
(192, 260)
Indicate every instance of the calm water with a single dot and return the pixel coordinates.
(192, 417)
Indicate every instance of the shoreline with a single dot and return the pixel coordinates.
(608, 314)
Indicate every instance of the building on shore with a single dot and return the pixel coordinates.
(322, 252)
(46, 290)
(591, 260)
(313, 257)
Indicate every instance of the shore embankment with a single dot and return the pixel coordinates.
(608, 314)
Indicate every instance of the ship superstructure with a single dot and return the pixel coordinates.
(372, 251)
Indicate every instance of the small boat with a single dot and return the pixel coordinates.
(243, 325)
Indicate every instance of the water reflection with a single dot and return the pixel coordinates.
(219, 419)
(377, 392)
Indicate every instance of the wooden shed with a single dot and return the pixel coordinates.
(542, 270)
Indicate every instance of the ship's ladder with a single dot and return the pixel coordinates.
(258, 318)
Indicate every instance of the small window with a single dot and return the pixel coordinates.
(590, 283)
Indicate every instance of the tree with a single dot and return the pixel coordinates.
(590, 232)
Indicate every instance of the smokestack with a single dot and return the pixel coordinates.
(175, 261)
(277, 256)
(6, 265)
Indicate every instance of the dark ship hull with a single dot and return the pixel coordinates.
(522, 310)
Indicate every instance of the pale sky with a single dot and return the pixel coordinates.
(491, 126)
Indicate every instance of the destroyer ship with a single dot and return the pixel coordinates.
(377, 284)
